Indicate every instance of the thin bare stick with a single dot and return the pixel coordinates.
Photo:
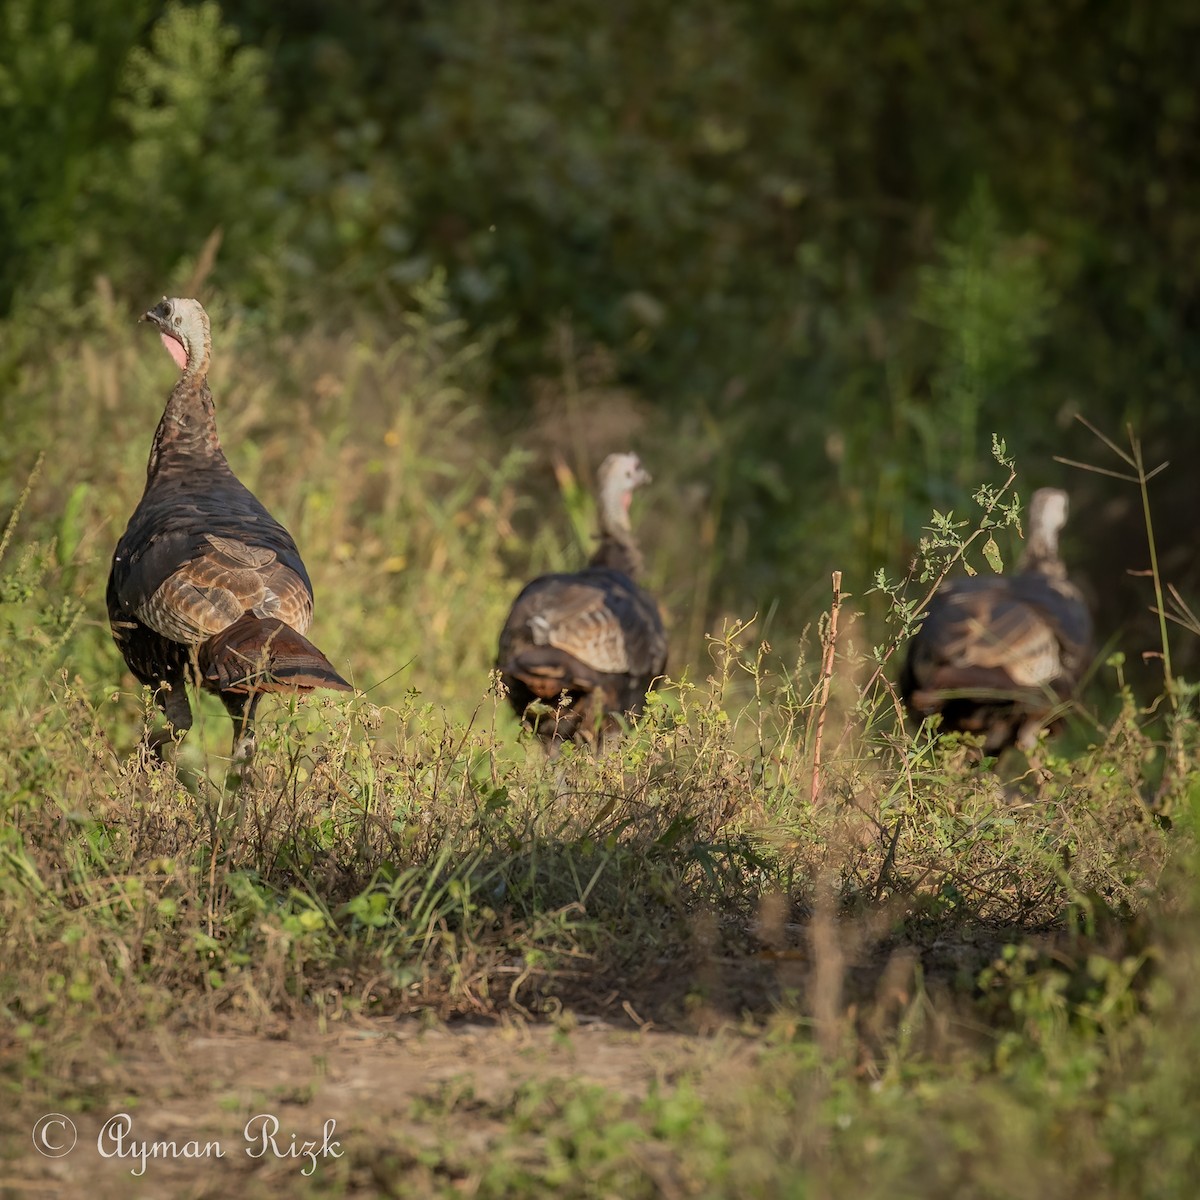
(1183, 614)
(1155, 574)
(1094, 470)
(826, 678)
(205, 261)
(212, 886)
(1175, 765)
(1106, 440)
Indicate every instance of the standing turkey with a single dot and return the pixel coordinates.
(205, 584)
(1001, 656)
(580, 649)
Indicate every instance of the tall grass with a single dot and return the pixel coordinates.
(899, 917)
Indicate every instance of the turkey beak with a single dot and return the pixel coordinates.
(643, 477)
(159, 314)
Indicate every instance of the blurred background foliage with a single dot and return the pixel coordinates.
(807, 256)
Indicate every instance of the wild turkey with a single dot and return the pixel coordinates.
(1000, 656)
(205, 584)
(579, 649)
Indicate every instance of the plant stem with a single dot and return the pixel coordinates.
(826, 678)
(1159, 605)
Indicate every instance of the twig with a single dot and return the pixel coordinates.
(1175, 764)
(889, 859)
(1155, 573)
(205, 261)
(826, 678)
(950, 564)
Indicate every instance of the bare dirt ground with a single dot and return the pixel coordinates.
(418, 1102)
(384, 1083)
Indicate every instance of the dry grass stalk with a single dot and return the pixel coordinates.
(826, 679)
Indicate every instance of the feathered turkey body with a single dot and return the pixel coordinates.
(584, 647)
(1000, 657)
(205, 583)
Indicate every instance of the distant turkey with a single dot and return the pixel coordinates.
(579, 649)
(206, 586)
(1000, 656)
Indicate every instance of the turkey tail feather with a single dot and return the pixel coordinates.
(262, 654)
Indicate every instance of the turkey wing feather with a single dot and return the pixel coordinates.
(994, 631)
(212, 591)
(576, 619)
(1033, 628)
(599, 617)
(174, 525)
(188, 566)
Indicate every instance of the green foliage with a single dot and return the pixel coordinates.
(988, 298)
(740, 209)
(59, 70)
(198, 147)
(169, 141)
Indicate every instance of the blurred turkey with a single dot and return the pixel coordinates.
(1001, 656)
(205, 584)
(579, 649)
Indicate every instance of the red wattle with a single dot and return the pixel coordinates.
(175, 350)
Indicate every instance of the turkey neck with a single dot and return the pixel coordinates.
(618, 554)
(618, 551)
(186, 437)
(1041, 554)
